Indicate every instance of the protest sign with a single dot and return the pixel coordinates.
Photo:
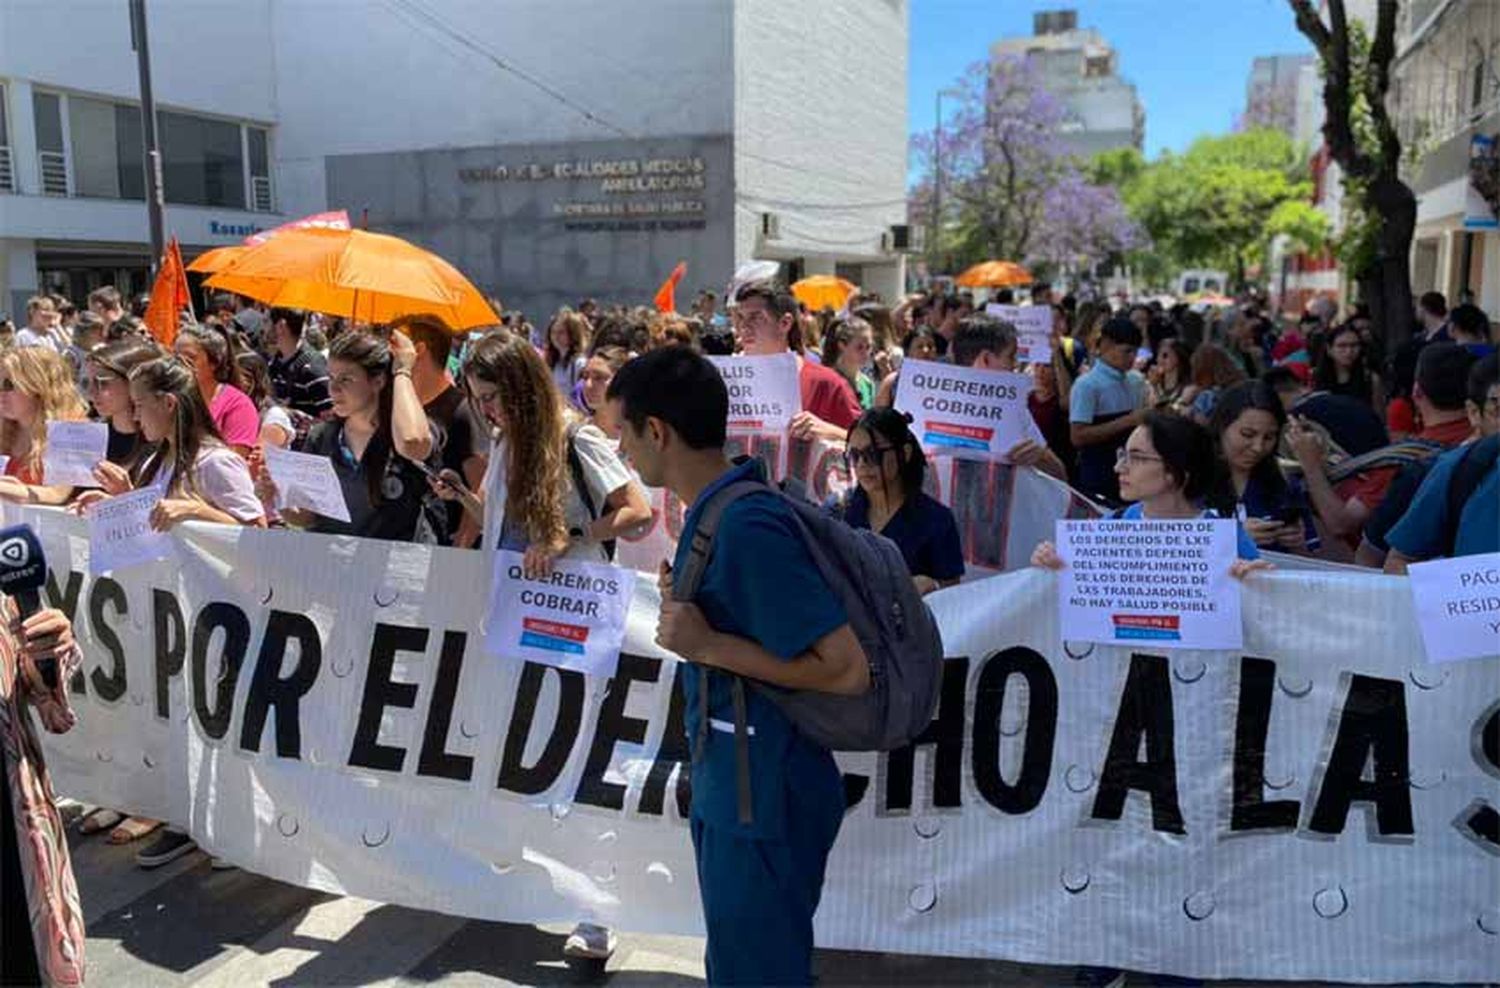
(764, 393)
(1033, 329)
(320, 710)
(120, 532)
(306, 481)
(1162, 583)
(73, 450)
(572, 618)
(961, 411)
(1457, 602)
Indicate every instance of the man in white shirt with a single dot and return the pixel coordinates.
(43, 325)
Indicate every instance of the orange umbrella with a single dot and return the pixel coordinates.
(215, 260)
(368, 277)
(994, 274)
(824, 290)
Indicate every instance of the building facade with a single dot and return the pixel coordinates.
(1082, 69)
(552, 152)
(1273, 92)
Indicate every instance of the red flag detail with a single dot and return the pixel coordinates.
(666, 295)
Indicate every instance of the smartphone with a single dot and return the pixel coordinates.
(1290, 516)
(48, 669)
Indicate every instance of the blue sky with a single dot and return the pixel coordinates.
(1188, 58)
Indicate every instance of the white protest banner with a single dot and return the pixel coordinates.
(73, 450)
(1162, 583)
(1033, 329)
(573, 618)
(321, 710)
(764, 393)
(1458, 606)
(120, 532)
(307, 481)
(965, 412)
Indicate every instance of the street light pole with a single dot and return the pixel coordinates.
(935, 254)
(152, 151)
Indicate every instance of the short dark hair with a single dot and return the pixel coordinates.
(1187, 452)
(1433, 303)
(681, 388)
(1485, 374)
(295, 319)
(432, 332)
(1470, 319)
(779, 300)
(1443, 373)
(107, 296)
(1282, 380)
(978, 333)
(1121, 330)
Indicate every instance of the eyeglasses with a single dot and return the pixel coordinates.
(342, 381)
(100, 381)
(870, 454)
(1134, 458)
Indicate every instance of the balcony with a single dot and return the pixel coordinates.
(7, 173)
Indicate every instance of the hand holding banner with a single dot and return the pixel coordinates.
(764, 393)
(961, 411)
(1457, 602)
(306, 481)
(73, 450)
(1165, 583)
(573, 618)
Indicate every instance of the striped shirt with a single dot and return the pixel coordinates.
(300, 381)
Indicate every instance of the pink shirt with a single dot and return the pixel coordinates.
(235, 416)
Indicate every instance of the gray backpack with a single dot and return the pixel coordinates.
(897, 631)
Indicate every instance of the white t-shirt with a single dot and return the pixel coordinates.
(222, 478)
(603, 473)
(279, 417)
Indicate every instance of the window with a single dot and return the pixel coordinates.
(52, 155)
(130, 151)
(7, 170)
(202, 161)
(256, 143)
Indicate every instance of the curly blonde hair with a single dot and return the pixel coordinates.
(47, 379)
(536, 422)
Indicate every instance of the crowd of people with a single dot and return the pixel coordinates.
(533, 438)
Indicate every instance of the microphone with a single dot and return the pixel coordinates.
(23, 570)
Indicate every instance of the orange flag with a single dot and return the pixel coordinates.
(666, 295)
(169, 296)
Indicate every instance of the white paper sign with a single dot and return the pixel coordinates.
(1033, 329)
(73, 450)
(961, 411)
(1165, 584)
(1457, 602)
(120, 532)
(306, 481)
(574, 618)
(764, 392)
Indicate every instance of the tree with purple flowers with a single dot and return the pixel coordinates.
(1003, 184)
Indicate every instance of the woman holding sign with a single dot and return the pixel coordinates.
(555, 486)
(887, 461)
(36, 387)
(1167, 469)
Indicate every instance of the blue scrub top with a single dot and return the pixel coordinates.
(1423, 530)
(760, 584)
(1259, 501)
(923, 529)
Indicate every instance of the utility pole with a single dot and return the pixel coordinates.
(152, 151)
(934, 235)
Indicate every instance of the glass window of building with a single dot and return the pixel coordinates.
(202, 161)
(52, 157)
(257, 142)
(7, 170)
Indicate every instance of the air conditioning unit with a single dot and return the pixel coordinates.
(906, 238)
(770, 226)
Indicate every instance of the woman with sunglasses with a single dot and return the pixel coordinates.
(1168, 470)
(888, 467)
(36, 387)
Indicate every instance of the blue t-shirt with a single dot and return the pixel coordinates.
(1246, 548)
(1259, 501)
(1105, 391)
(761, 584)
(1422, 531)
(923, 529)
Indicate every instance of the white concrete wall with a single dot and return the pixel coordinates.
(361, 75)
(821, 130)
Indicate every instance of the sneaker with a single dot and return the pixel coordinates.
(589, 941)
(169, 846)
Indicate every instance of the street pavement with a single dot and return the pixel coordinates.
(185, 924)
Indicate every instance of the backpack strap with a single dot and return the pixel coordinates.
(580, 481)
(1394, 455)
(1473, 464)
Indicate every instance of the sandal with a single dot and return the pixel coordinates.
(101, 818)
(134, 828)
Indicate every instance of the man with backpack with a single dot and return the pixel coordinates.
(748, 602)
(1456, 510)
